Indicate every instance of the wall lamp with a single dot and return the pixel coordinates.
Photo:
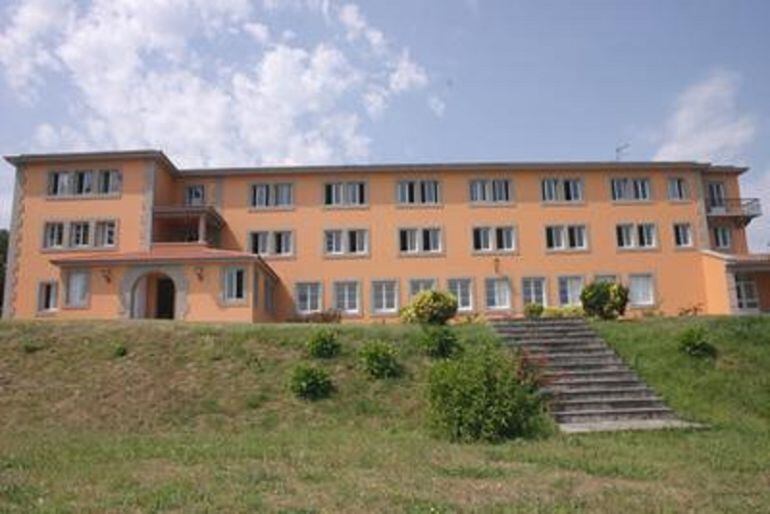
(106, 274)
(199, 272)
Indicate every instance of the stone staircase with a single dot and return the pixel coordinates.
(591, 388)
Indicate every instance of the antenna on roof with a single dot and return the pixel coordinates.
(620, 150)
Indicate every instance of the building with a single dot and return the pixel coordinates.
(129, 235)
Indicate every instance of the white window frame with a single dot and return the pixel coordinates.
(632, 294)
(746, 294)
(230, 292)
(262, 239)
(73, 233)
(634, 236)
(416, 192)
(83, 300)
(418, 285)
(631, 189)
(491, 285)
(723, 237)
(60, 228)
(683, 235)
(529, 290)
(566, 284)
(353, 193)
(105, 234)
(334, 242)
(384, 285)
(557, 190)
(344, 287)
(313, 288)
(420, 236)
(678, 189)
(272, 195)
(47, 290)
(646, 236)
(285, 235)
(112, 179)
(462, 289)
(195, 195)
(565, 235)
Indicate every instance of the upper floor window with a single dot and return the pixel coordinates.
(682, 235)
(677, 189)
(309, 298)
(80, 234)
(276, 243)
(83, 182)
(415, 192)
(490, 191)
(562, 190)
(642, 235)
(104, 233)
(234, 287)
(349, 241)
(631, 189)
(414, 240)
(566, 237)
(490, 239)
(53, 235)
(195, 194)
(265, 196)
(345, 193)
(722, 238)
(461, 289)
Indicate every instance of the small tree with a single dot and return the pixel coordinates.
(430, 308)
(605, 300)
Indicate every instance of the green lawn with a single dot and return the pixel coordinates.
(197, 418)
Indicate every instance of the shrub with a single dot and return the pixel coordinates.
(32, 346)
(323, 344)
(439, 342)
(482, 396)
(379, 360)
(310, 383)
(694, 342)
(430, 307)
(120, 350)
(605, 300)
(327, 316)
(533, 310)
(572, 311)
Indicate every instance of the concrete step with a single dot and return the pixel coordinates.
(591, 384)
(571, 376)
(542, 322)
(602, 415)
(577, 355)
(560, 406)
(567, 349)
(598, 393)
(586, 364)
(551, 332)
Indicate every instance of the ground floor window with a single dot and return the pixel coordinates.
(77, 288)
(461, 288)
(419, 285)
(384, 296)
(569, 290)
(606, 278)
(309, 298)
(498, 293)
(234, 281)
(640, 290)
(47, 296)
(346, 297)
(746, 292)
(533, 290)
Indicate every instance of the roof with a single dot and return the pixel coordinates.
(163, 253)
(743, 262)
(158, 155)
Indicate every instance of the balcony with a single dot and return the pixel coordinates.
(742, 208)
(187, 224)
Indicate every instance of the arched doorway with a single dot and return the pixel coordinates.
(153, 296)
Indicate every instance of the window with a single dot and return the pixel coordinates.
(109, 182)
(272, 195)
(461, 288)
(77, 288)
(260, 243)
(642, 235)
(283, 243)
(566, 237)
(269, 289)
(606, 279)
(487, 239)
(419, 285)
(384, 296)
(626, 189)
(640, 290)
(195, 195)
(47, 296)
(346, 297)
(341, 242)
(83, 182)
(562, 190)
(722, 238)
(677, 189)
(104, 234)
(80, 234)
(533, 290)
(358, 241)
(498, 293)
(53, 235)
(425, 240)
(682, 235)
(418, 192)
(569, 290)
(746, 292)
(345, 193)
(716, 195)
(490, 191)
(58, 183)
(309, 298)
(333, 242)
(234, 286)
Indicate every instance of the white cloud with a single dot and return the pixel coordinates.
(152, 73)
(706, 124)
(436, 105)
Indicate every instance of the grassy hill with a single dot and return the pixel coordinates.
(197, 418)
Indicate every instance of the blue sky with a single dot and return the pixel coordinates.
(321, 81)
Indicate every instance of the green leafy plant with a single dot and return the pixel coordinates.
(120, 350)
(323, 344)
(604, 300)
(533, 310)
(439, 342)
(380, 360)
(310, 382)
(570, 311)
(32, 346)
(430, 307)
(694, 342)
(485, 395)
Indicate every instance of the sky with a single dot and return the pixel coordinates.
(250, 82)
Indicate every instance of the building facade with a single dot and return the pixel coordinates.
(129, 235)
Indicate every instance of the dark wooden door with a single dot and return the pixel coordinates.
(165, 299)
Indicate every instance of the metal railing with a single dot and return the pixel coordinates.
(748, 207)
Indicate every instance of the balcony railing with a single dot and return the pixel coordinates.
(743, 207)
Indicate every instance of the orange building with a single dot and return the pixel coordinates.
(129, 235)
